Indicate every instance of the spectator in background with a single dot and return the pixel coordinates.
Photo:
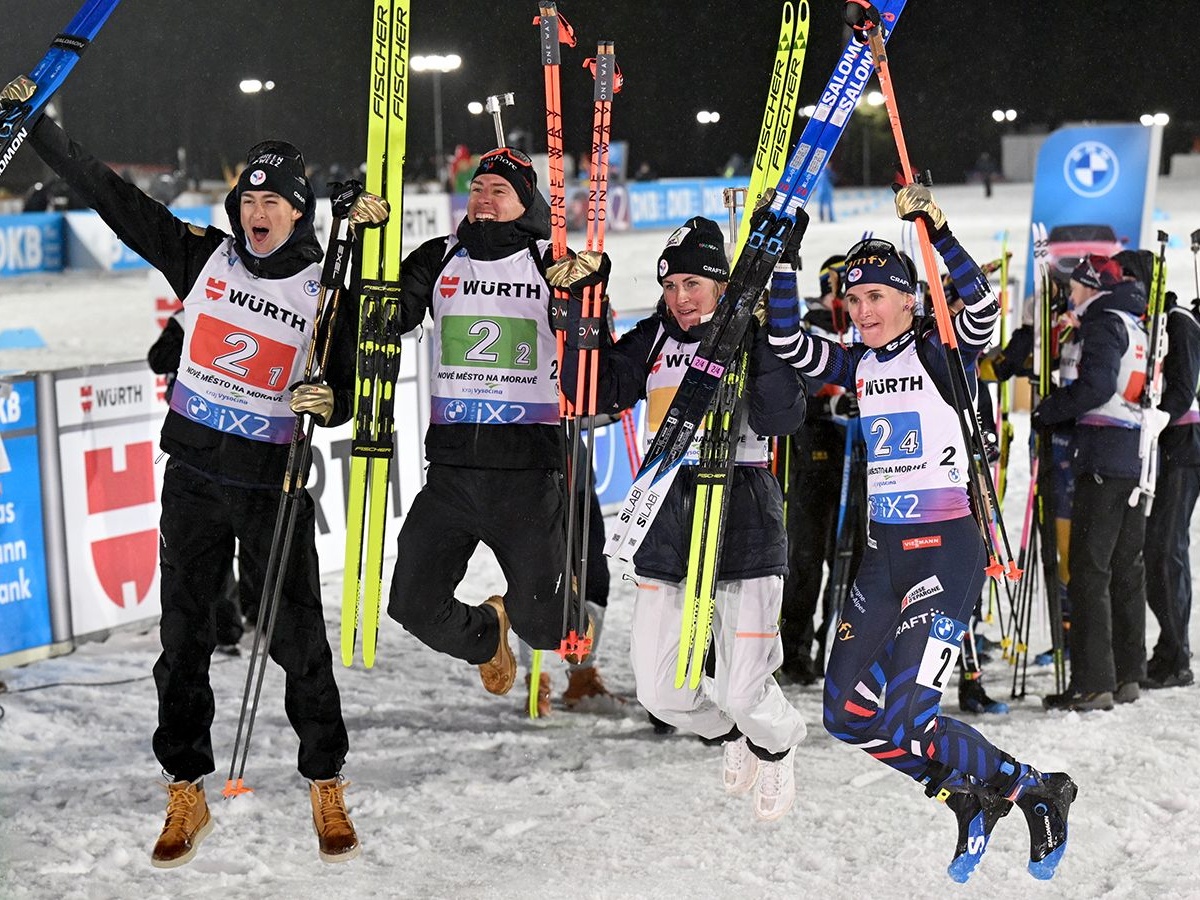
(1102, 375)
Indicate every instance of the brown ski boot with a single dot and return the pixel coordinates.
(336, 837)
(188, 822)
(499, 672)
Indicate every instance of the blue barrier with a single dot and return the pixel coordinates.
(31, 242)
(24, 591)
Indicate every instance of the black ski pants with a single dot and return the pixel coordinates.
(814, 496)
(1168, 569)
(1108, 584)
(200, 521)
(518, 513)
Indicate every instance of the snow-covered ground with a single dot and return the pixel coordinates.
(457, 794)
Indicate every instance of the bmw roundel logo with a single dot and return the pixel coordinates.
(1091, 169)
(312, 287)
(197, 408)
(943, 628)
(456, 410)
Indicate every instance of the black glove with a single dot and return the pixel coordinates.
(791, 252)
(843, 406)
(862, 17)
(1039, 426)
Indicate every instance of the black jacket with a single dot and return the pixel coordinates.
(475, 445)
(755, 539)
(180, 251)
(1180, 444)
(1100, 450)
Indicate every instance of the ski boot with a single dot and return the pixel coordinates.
(977, 808)
(973, 698)
(1045, 805)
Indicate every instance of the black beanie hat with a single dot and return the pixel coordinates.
(695, 248)
(834, 266)
(514, 167)
(276, 166)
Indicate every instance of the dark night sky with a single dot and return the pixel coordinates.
(163, 74)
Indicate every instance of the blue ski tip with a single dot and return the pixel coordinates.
(961, 867)
(1043, 869)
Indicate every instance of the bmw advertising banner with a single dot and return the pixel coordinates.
(1094, 191)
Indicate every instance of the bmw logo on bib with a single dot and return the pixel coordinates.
(1091, 169)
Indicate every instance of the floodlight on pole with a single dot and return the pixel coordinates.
(436, 64)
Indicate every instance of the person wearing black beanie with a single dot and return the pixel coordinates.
(746, 710)
(248, 321)
(494, 442)
(923, 567)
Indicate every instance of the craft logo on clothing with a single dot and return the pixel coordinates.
(930, 587)
(1091, 169)
(448, 286)
(922, 543)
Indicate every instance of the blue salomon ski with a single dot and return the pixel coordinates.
(28, 95)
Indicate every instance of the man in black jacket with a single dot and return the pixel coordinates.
(249, 308)
(494, 444)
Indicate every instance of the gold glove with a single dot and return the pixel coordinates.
(569, 271)
(915, 201)
(559, 274)
(369, 209)
(18, 90)
(314, 399)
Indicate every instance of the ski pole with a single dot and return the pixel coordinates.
(576, 644)
(554, 30)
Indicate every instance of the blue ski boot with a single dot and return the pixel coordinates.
(1045, 804)
(977, 808)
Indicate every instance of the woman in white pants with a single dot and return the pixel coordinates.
(741, 703)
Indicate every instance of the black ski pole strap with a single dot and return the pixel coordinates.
(589, 332)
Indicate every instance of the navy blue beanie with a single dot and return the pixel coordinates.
(877, 262)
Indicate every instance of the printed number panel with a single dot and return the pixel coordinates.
(495, 342)
(893, 436)
(242, 356)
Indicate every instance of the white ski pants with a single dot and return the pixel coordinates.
(748, 650)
